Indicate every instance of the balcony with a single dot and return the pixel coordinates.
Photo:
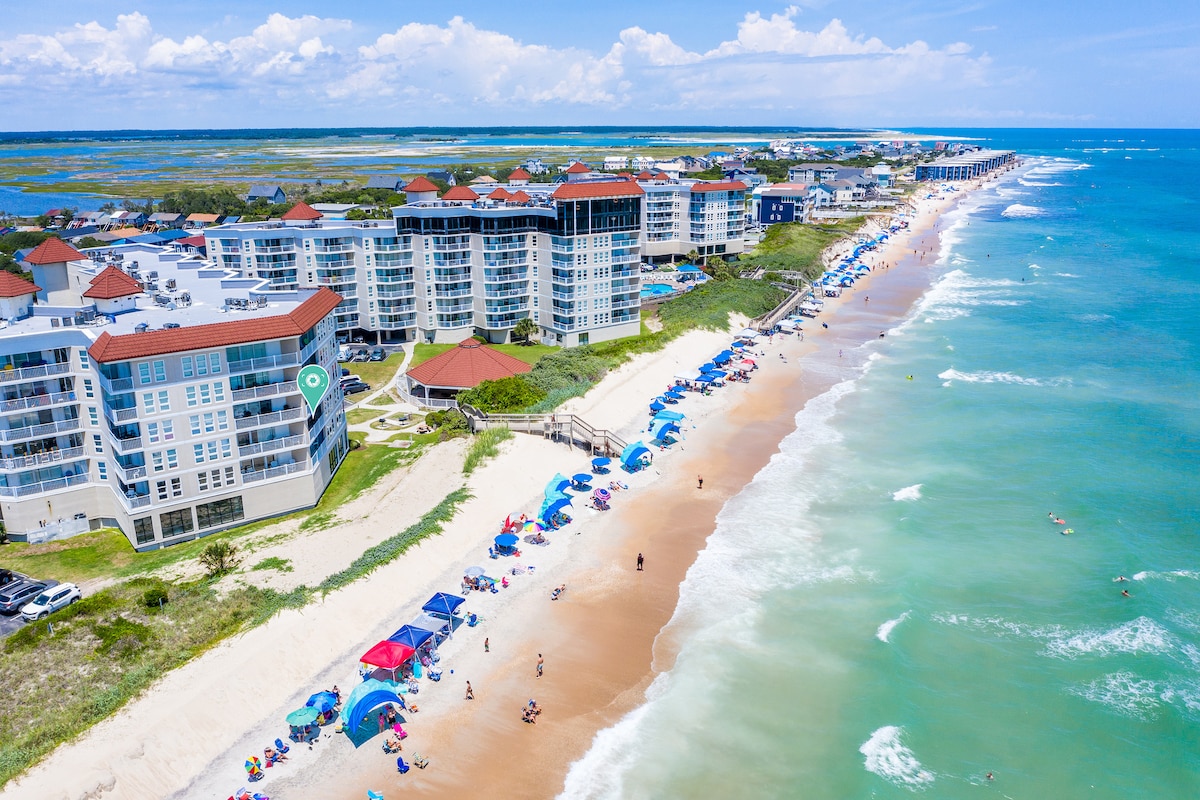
(453, 292)
(455, 320)
(394, 259)
(38, 431)
(504, 308)
(504, 275)
(492, 261)
(30, 373)
(564, 296)
(131, 474)
(454, 308)
(408, 304)
(397, 320)
(450, 244)
(452, 261)
(270, 418)
(617, 304)
(506, 292)
(269, 390)
(264, 363)
(120, 415)
(43, 487)
(274, 472)
(397, 290)
(36, 401)
(451, 275)
(135, 502)
(38, 459)
(338, 247)
(392, 248)
(128, 445)
(286, 443)
(281, 248)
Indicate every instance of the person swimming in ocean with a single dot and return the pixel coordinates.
(1125, 593)
(1120, 579)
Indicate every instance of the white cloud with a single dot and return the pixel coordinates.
(458, 72)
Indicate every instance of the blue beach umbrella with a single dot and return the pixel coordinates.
(657, 406)
(674, 395)
(581, 477)
(602, 461)
(323, 702)
(507, 539)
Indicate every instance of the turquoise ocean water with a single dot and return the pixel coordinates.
(887, 610)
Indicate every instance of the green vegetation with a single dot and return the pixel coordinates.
(217, 558)
(384, 399)
(377, 373)
(563, 374)
(18, 240)
(529, 353)
(275, 563)
(424, 352)
(525, 328)
(360, 415)
(798, 246)
(449, 424)
(485, 445)
(110, 647)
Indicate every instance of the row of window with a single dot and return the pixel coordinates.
(175, 523)
(192, 366)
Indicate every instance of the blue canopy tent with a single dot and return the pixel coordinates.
(600, 465)
(507, 539)
(709, 367)
(580, 480)
(367, 696)
(661, 429)
(632, 454)
(442, 603)
(411, 635)
(673, 416)
(557, 485)
(669, 399)
(553, 506)
(674, 394)
(689, 268)
(718, 374)
(657, 405)
(323, 702)
(723, 356)
(705, 378)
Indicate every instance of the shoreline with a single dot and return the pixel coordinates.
(602, 641)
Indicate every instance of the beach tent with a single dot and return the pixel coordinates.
(557, 485)
(442, 603)
(706, 379)
(552, 506)
(748, 333)
(674, 394)
(411, 635)
(368, 695)
(580, 478)
(323, 702)
(717, 374)
(672, 416)
(705, 368)
(689, 268)
(388, 654)
(632, 453)
(657, 405)
(722, 356)
(660, 429)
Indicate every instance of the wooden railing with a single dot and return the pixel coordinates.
(569, 428)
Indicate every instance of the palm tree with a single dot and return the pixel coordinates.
(525, 328)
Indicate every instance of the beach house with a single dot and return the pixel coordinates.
(272, 193)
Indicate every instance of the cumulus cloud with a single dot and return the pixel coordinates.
(455, 71)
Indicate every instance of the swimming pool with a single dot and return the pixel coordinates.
(656, 289)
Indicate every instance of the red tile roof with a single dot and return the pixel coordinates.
(578, 168)
(499, 193)
(466, 366)
(645, 175)
(108, 348)
(301, 211)
(585, 189)
(518, 174)
(54, 251)
(15, 286)
(627, 176)
(112, 283)
(191, 241)
(421, 184)
(662, 176)
(520, 196)
(460, 193)
(719, 186)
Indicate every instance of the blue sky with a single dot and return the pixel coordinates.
(219, 64)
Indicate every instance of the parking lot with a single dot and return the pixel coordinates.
(12, 624)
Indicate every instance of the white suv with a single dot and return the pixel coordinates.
(51, 600)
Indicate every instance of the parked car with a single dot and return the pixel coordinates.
(15, 595)
(51, 600)
(7, 576)
(343, 352)
(378, 354)
(354, 387)
(345, 372)
(361, 355)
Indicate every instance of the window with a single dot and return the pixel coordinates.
(176, 522)
(226, 448)
(219, 512)
(168, 430)
(93, 417)
(214, 363)
(222, 420)
(198, 454)
(143, 530)
(172, 458)
(152, 434)
(194, 421)
(209, 424)
(83, 359)
(205, 394)
(229, 476)
(102, 468)
(143, 373)
(148, 401)
(87, 388)
(186, 364)
(96, 443)
(160, 371)
(156, 460)
(191, 396)
(176, 487)
(160, 489)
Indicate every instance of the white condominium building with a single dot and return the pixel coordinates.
(685, 215)
(150, 391)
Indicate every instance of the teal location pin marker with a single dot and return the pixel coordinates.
(314, 383)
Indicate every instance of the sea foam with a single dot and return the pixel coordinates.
(886, 756)
(993, 377)
(1019, 211)
(908, 492)
(885, 630)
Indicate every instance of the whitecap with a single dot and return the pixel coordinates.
(1066, 275)
(1018, 211)
(885, 630)
(886, 756)
(994, 377)
(1171, 575)
(908, 492)
(1141, 635)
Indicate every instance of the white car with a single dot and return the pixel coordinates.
(51, 600)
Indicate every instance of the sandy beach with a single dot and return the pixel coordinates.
(601, 643)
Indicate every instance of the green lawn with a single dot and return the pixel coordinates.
(108, 554)
(377, 373)
(797, 246)
(359, 415)
(424, 352)
(530, 354)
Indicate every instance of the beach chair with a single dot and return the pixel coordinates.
(401, 767)
(280, 746)
(374, 795)
(419, 761)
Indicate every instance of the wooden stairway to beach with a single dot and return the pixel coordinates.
(569, 428)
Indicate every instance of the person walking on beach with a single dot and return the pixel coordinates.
(699, 482)
(485, 645)
(640, 560)
(470, 692)
(539, 665)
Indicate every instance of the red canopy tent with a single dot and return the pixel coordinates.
(388, 655)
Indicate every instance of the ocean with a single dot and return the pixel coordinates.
(888, 609)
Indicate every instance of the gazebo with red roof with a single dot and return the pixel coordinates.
(499, 193)
(462, 194)
(520, 196)
(301, 212)
(420, 189)
(463, 367)
(518, 177)
(50, 263)
(577, 171)
(113, 291)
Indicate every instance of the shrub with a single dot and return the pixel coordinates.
(219, 558)
(504, 395)
(154, 596)
(486, 444)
